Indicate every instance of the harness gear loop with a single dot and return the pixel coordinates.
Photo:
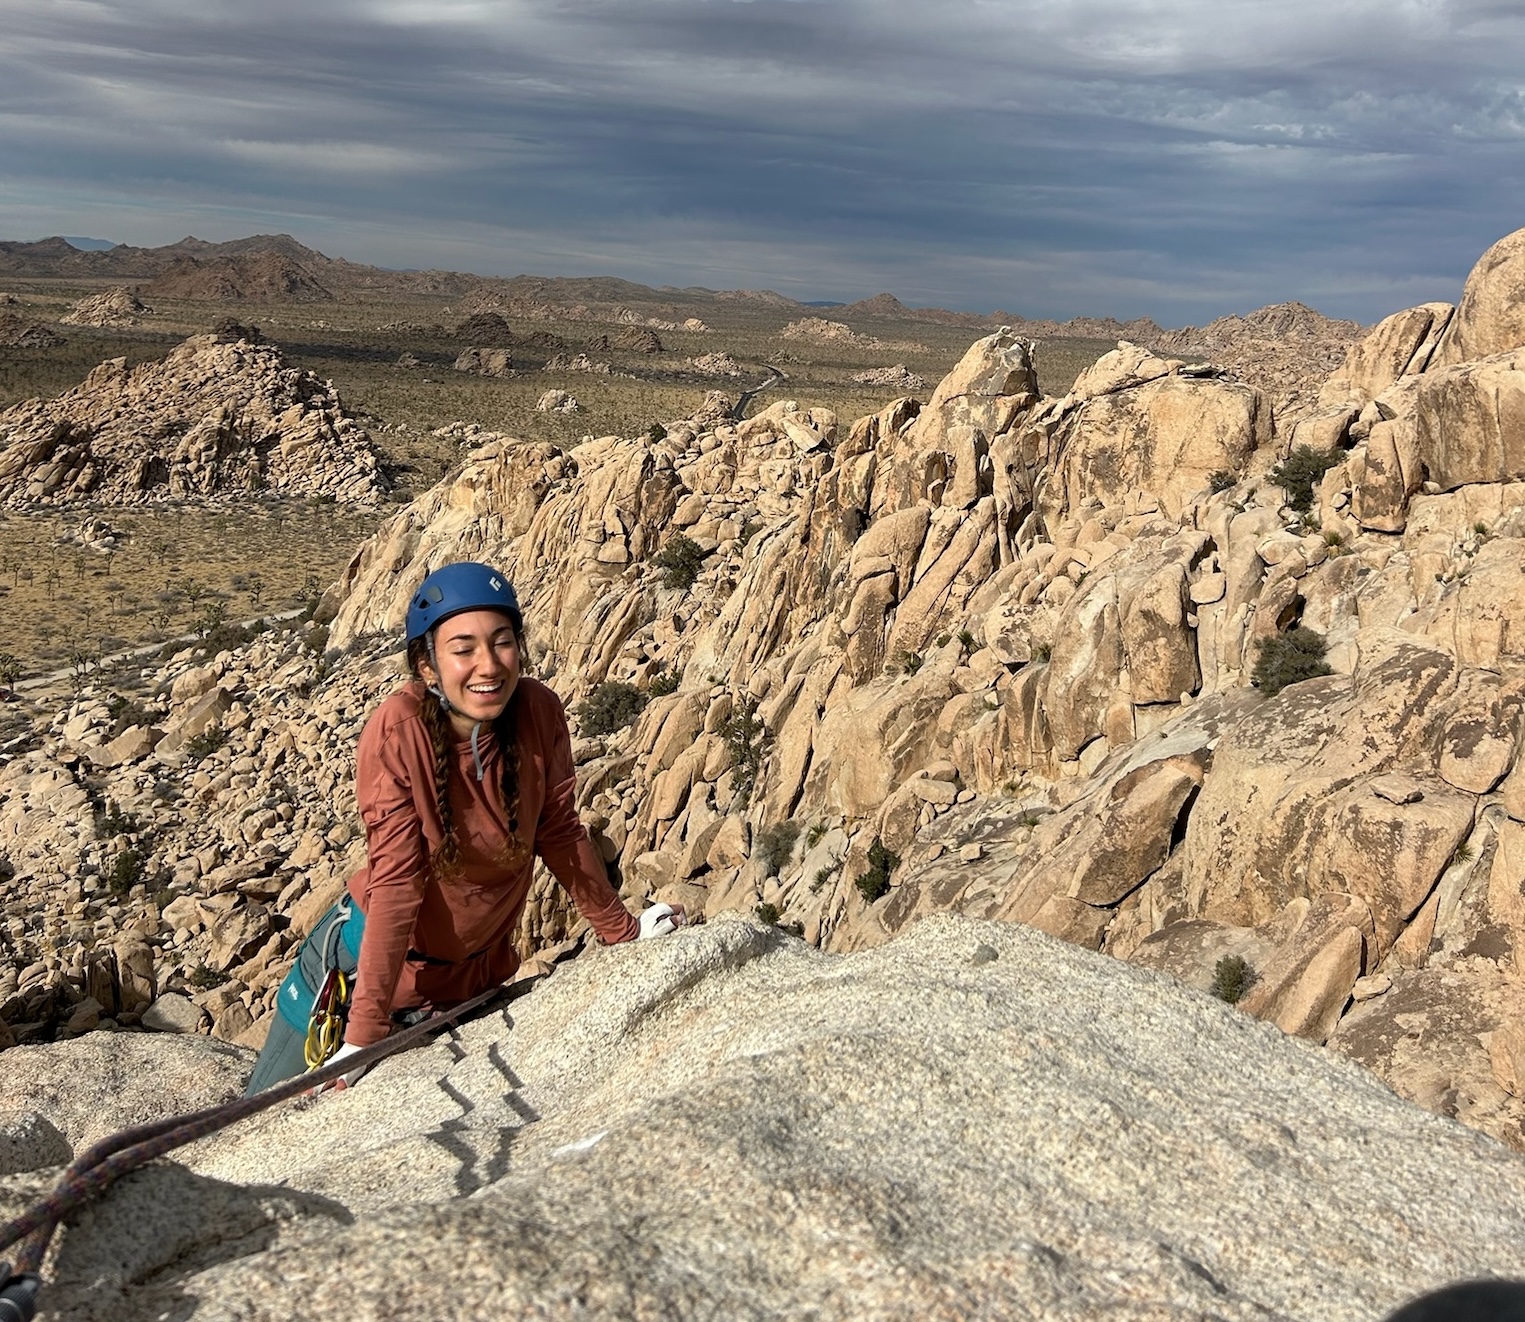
(325, 1026)
(330, 1007)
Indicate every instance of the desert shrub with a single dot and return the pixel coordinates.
(226, 637)
(909, 662)
(768, 913)
(611, 706)
(126, 872)
(966, 640)
(656, 432)
(1042, 651)
(1289, 658)
(775, 844)
(116, 822)
(203, 978)
(1232, 977)
(663, 682)
(745, 738)
(815, 835)
(1301, 471)
(126, 712)
(679, 562)
(10, 670)
(206, 743)
(7, 870)
(881, 864)
(824, 874)
(943, 639)
(316, 639)
(1221, 480)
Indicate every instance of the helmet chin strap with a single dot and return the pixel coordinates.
(446, 706)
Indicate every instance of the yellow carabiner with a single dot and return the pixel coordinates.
(325, 1025)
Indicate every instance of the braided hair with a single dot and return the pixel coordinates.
(436, 721)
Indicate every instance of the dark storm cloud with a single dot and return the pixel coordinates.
(1181, 159)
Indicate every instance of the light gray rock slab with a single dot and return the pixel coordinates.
(173, 1013)
(30, 1142)
(974, 1121)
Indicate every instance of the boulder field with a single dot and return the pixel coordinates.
(979, 664)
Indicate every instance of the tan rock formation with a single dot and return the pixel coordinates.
(115, 307)
(485, 362)
(221, 414)
(990, 655)
(1490, 319)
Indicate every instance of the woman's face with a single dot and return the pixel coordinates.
(479, 665)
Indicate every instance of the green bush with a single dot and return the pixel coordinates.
(1232, 977)
(1221, 480)
(206, 743)
(775, 844)
(745, 739)
(824, 874)
(1289, 658)
(126, 872)
(662, 683)
(815, 835)
(909, 662)
(611, 706)
(10, 670)
(126, 712)
(679, 561)
(1301, 471)
(768, 913)
(656, 432)
(203, 978)
(881, 864)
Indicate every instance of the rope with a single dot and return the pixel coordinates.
(127, 1150)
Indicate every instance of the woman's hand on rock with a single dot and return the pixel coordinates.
(661, 919)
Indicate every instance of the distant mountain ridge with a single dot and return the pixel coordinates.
(278, 267)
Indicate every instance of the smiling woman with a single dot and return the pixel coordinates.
(463, 778)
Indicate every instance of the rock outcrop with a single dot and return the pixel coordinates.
(485, 362)
(220, 414)
(114, 307)
(1285, 350)
(18, 333)
(972, 1121)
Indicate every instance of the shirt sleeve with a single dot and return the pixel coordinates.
(389, 765)
(562, 840)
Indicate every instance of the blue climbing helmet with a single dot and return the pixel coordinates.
(467, 586)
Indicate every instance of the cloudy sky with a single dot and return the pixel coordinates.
(1172, 158)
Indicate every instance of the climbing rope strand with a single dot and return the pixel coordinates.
(129, 1149)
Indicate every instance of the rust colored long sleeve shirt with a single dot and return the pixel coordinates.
(439, 941)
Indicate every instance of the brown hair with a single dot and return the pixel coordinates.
(505, 729)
